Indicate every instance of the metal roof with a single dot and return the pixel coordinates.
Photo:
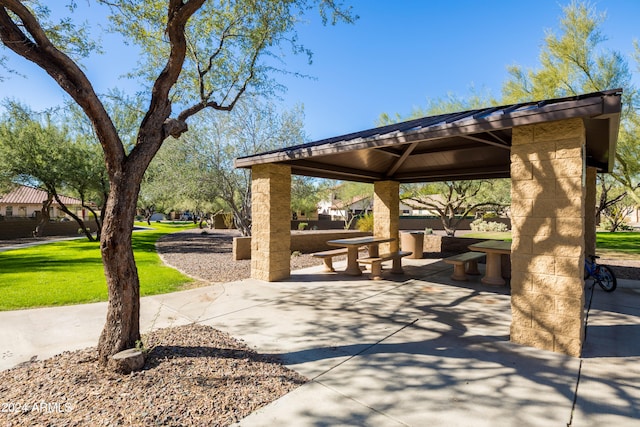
(471, 144)
(23, 195)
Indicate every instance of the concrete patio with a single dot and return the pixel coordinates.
(417, 349)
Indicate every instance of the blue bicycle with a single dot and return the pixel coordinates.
(601, 274)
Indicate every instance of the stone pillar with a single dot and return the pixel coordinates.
(590, 213)
(548, 215)
(271, 222)
(386, 213)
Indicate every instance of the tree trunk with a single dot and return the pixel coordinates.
(86, 230)
(96, 219)
(44, 216)
(121, 330)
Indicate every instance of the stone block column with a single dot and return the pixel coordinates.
(386, 213)
(590, 213)
(548, 194)
(271, 222)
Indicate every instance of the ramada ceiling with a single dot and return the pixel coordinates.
(473, 144)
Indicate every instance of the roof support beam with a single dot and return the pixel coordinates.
(486, 141)
(443, 175)
(345, 172)
(405, 154)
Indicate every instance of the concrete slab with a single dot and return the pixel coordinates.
(442, 369)
(421, 377)
(316, 405)
(45, 332)
(608, 393)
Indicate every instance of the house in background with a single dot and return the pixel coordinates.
(343, 210)
(26, 202)
(415, 208)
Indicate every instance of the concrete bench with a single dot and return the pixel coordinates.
(376, 263)
(327, 257)
(468, 259)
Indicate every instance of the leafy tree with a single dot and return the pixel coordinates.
(615, 214)
(177, 181)
(194, 54)
(573, 63)
(304, 194)
(43, 154)
(442, 105)
(452, 200)
(207, 175)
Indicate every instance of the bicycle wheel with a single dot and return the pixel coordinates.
(606, 279)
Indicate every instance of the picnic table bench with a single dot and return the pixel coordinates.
(376, 263)
(460, 261)
(327, 257)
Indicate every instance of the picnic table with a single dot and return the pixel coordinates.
(495, 250)
(353, 244)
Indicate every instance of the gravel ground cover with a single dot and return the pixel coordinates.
(194, 375)
(207, 255)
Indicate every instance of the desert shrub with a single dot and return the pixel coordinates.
(365, 223)
(492, 226)
(227, 220)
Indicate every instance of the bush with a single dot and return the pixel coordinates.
(227, 219)
(365, 222)
(492, 226)
(303, 225)
(608, 225)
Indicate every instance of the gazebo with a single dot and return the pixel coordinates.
(551, 150)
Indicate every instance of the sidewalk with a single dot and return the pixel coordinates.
(423, 351)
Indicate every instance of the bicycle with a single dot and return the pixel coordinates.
(601, 274)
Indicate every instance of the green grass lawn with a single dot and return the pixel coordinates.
(495, 235)
(70, 272)
(622, 245)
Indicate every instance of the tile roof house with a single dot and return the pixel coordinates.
(26, 202)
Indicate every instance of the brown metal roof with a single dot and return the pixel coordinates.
(471, 144)
(23, 195)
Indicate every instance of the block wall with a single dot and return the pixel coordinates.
(590, 213)
(548, 226)
(271, 219)
(386, 213)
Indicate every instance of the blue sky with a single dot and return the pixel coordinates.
(396, 56)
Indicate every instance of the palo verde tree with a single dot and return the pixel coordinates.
(195, 55)
(575, 62)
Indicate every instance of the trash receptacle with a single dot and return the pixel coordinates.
(412, 241)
